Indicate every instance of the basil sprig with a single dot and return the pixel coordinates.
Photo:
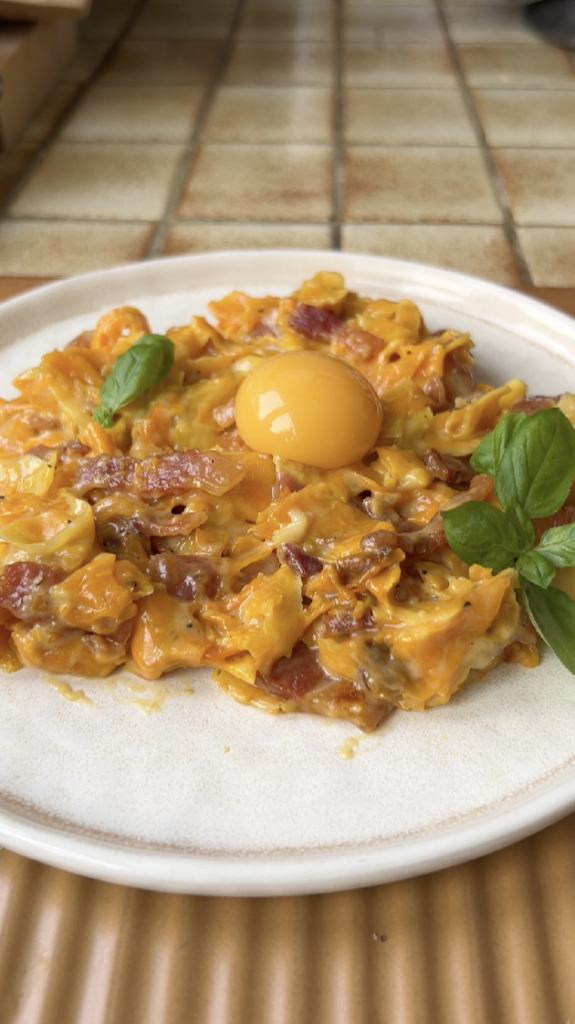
(532, 462)
(137, 370)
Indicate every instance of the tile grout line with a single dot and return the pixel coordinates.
(509, 226)
(69, 110)
(163, 225)
(338, 147)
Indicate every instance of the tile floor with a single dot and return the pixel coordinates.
(438, 130)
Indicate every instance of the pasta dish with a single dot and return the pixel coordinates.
(172, 532)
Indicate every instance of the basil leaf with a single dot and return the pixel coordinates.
(523, 525)
(553, 614)
(558, 545)
(488, 454)
(103, 416)
(482, 534)
(137, 370)
(536, 568)
(538, 464)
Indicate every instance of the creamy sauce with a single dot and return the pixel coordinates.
(77, 696)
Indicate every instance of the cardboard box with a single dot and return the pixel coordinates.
(32, 59)
(43, 10)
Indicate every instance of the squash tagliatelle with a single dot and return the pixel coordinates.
(164, 542)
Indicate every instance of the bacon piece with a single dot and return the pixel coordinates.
(176, 473)
(380, 542)
(302, 677)
(448, 468)
(294, 676)
(374, 548)
(168, 524)
(117, 536)
(185, 577)
(111, 646)
(25, 587)
(457, 377)
(534, 403)
(301, 563)
(435, 391)
(563, 517)
(321, 325)
(344, 622)
(432, 537)
(313, 323)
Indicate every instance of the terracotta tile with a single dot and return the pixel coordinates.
(279, 183)
(540, 185)
(202, 237)
(516, 66)
(407, 117)
(101, 181)
(163, 62)
(12, 166)
(414, 185)
(138, 114)
(485, 24)
(248, 114)
(58, 249)
(470, 249)
(106, 21)
(178, 21)
(87, 60)
(527, 118)
(550, 255)
(281, 64)
(390, 24)
(48, 116)
(409, 65)
(305, 24)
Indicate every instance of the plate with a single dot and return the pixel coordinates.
(154, 785)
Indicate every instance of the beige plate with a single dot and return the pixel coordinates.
(202, 795)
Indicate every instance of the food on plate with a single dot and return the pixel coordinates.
(267, 494)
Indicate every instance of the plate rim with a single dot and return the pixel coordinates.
(314, 871)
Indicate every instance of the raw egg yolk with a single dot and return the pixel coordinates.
(310, 408)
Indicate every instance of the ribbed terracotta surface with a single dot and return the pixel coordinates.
(490, 942)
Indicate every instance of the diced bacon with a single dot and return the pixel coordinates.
(448, 468)
(313, 323)
(301, 563)
(321, 325)
(457, 377)
(302, 677)
(374, 548)
(176, 473)
(534, 403)
(168, 524)
(185, 577)
(563, 517)
(432, 537)
(25, 587)
(294, 676)
(346, 623)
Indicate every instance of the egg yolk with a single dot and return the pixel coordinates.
(310, 408)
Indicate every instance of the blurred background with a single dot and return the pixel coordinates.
(439, 132)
